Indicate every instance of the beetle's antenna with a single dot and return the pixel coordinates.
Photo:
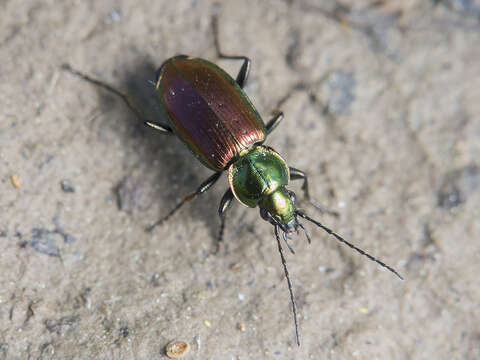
(292, 297)
(342, 240)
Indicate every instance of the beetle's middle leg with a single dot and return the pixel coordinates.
(207, 184)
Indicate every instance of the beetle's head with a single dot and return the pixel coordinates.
(278, 208)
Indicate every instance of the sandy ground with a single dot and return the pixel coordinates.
(382, 111)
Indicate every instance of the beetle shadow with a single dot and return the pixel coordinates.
(167, 170)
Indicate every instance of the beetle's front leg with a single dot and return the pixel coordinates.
(225, 204)
(296, 174)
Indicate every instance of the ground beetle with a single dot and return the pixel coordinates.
(208, 110)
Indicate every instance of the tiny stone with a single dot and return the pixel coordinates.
(176, 349)
(67, 186)
(15, 181)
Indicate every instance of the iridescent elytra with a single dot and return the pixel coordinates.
(207, 110)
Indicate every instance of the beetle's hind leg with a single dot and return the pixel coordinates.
(296, 174)
(127, 99)
(245, 69)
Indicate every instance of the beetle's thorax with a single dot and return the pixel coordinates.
(257, 173)
(258, 178)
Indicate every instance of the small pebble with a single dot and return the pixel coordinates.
(67, 186)
(235, 267)
(15, 182)
(176, 349)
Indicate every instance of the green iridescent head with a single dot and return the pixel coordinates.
(280, 205)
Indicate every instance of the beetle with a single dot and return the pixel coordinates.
(209, 111)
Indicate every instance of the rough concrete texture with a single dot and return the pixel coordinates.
(382, 110)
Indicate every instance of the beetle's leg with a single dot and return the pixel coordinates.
(225, 204)
(273, 123)
(207, 184)
(125, 97)
(296, 174)
(245, 69)
(162, 128)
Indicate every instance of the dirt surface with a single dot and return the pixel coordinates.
(382, 111)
